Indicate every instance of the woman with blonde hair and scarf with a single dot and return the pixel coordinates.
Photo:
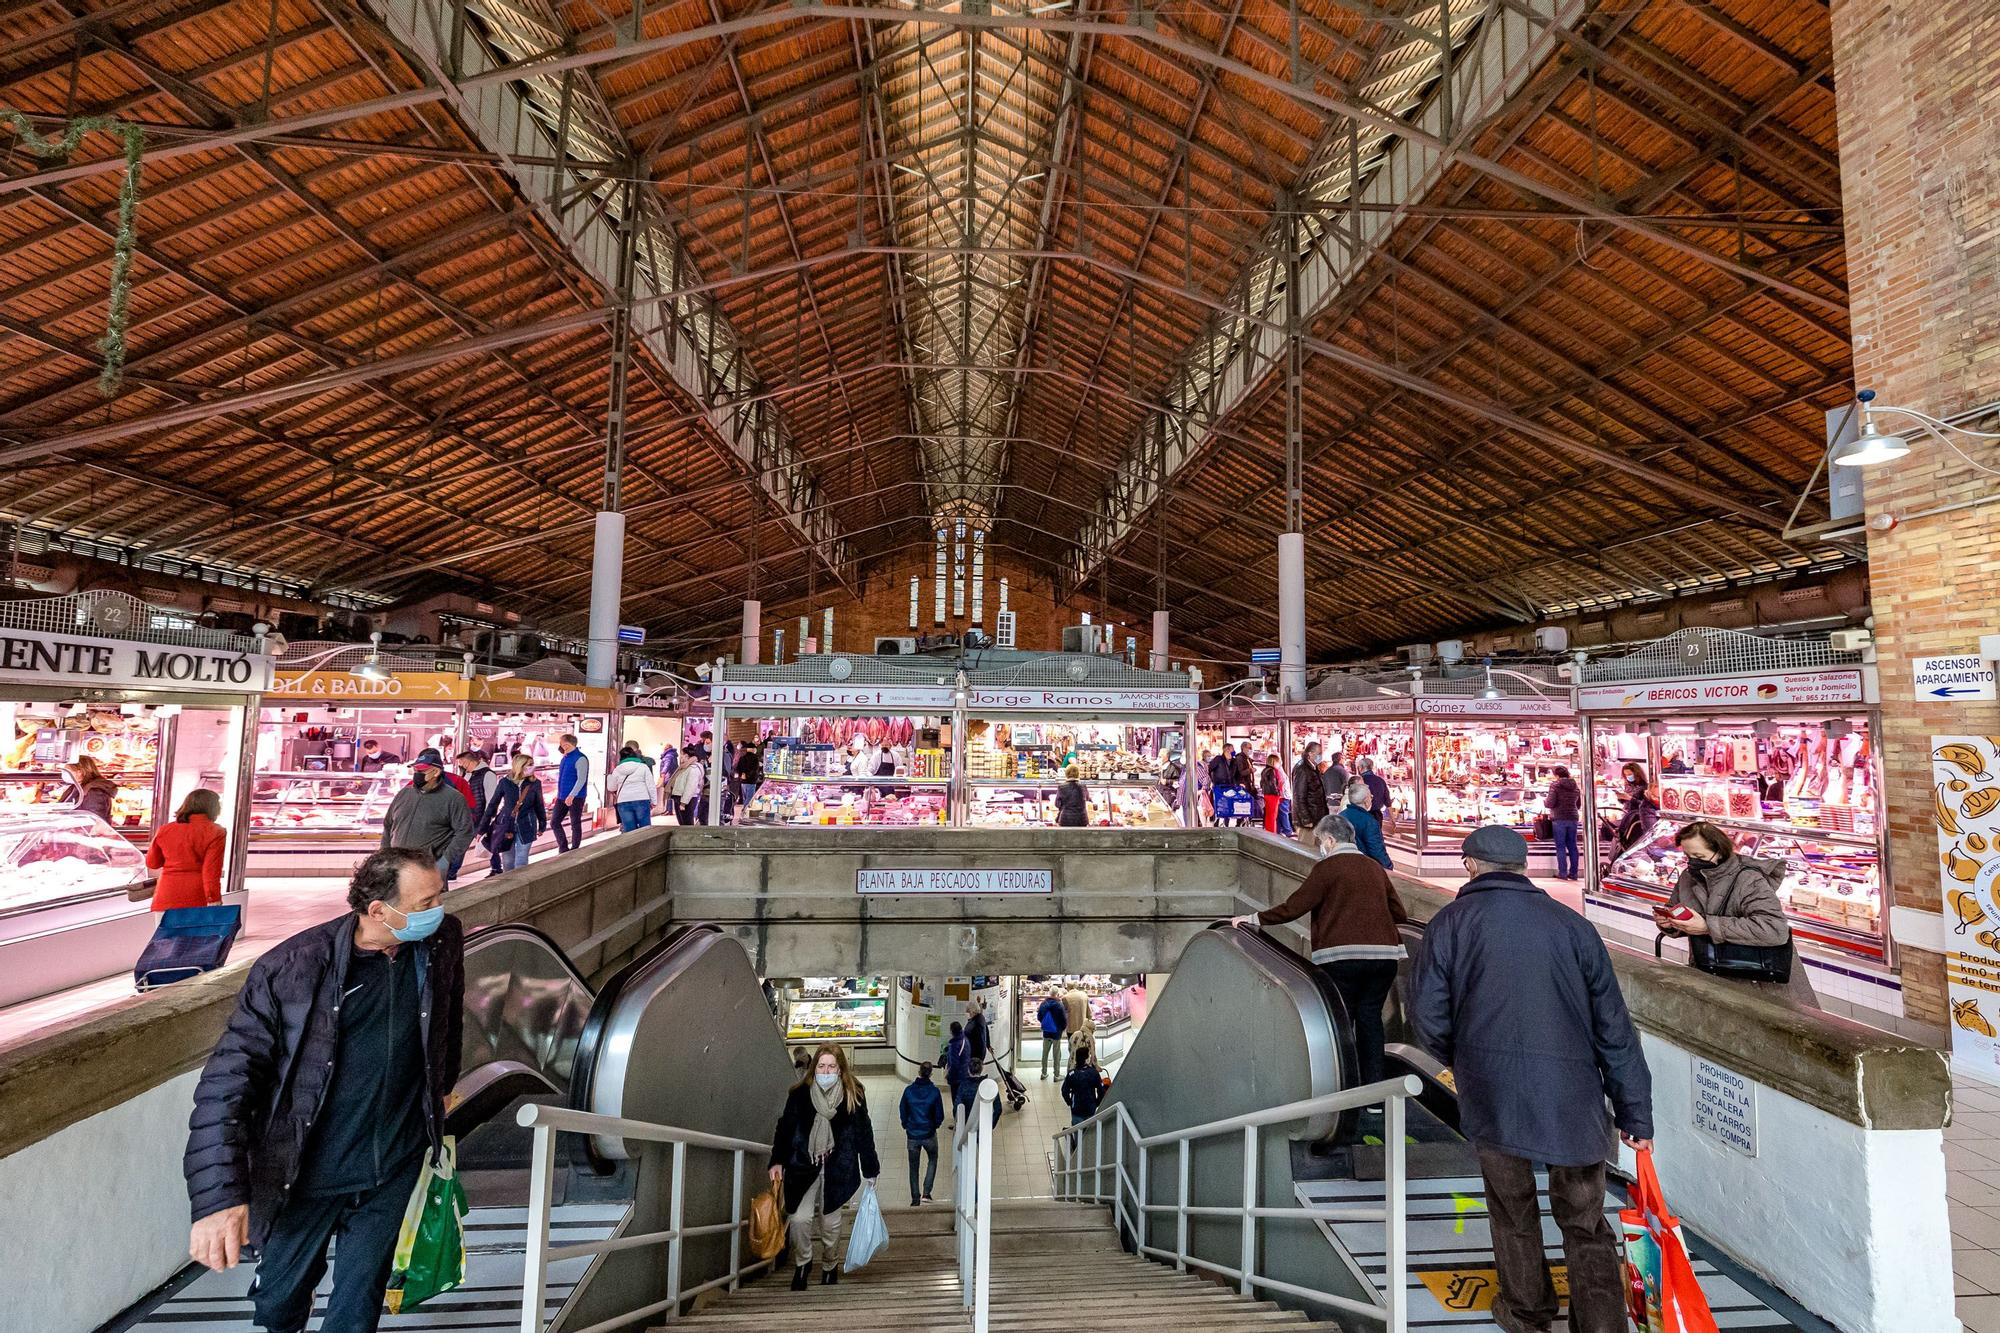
(823, 1149)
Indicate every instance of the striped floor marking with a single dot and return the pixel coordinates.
(496, 1239)
(1451, 1241)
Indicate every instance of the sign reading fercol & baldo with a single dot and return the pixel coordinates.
(73, 659)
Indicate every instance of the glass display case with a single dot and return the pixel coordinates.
(1492, 773)
(1012, 771)
(59, 855)
(1832, 885)
(319, 803)
(842, 1009)
(37, 739)
(849, 801)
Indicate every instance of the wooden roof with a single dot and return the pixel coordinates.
(959, 262)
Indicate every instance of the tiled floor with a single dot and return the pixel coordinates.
(1020, 1147)
(1972, 1184)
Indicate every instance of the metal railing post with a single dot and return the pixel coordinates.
(1145, 1194)
(676, 1217)
(982, 1267)
(1097, 1171)
(541, 1189)
(1395, 1188)
(736, 1221)
(1250, 1176)
(1181, 1238)
(1118, 1179)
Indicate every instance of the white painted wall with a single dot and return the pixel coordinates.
(96, 1215)
(1851, 1222)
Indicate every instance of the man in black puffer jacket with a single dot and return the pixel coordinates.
(315, 1112)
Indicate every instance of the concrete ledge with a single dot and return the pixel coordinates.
(1860, 1074)
(114, 1054)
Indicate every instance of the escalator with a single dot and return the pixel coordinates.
(680, 1036)
(1267, 1029)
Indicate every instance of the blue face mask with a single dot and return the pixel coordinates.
(826, 1081)
(417, 925)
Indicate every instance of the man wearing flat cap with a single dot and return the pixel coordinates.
(1515, 992)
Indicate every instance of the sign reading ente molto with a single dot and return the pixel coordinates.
(126, 663)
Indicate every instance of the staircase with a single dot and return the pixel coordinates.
(1056, 1267)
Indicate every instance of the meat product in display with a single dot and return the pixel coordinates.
(1742, 804)
(1715, 803)
(1670, 798)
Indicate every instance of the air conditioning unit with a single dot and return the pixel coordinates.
(1417, 654)
(1451, 650)
(886, 646)
(1552, 639)
(1084, 638)
(1003, 629)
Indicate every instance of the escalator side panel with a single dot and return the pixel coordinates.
(1243, 1025)
(683, 1038)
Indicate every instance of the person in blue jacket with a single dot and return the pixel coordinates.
(1360, 812)
(1515, 993)
(572, 786)
(957, 1060)
(1083, 1089)
(1054, 1016)
(922, 1112)
(966, 1096)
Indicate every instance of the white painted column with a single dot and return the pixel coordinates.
(1160, 646)
(1291, 615)
(607, 574)
(753, 632)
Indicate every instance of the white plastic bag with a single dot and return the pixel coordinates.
(870, 1235)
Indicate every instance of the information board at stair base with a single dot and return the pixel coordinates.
(1725, 1106)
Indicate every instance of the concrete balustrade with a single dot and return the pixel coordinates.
(1842, 1205)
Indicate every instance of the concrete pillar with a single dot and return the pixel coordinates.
(607, 574)
(1918, 105)
(753, 632)
(1291, 615)
(1160, 645)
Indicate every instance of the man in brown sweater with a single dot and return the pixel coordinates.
(1355, 937)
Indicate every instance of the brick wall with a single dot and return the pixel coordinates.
(1918, 94)
(883, 610)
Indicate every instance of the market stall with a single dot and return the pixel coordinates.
(334, 745)
(1115, 1003)
(870, 751)
(1491, 761)
(159, 712)
(850, 1011)
(1783, 757)
(1380, 727)
(869, 741)
(658, 723)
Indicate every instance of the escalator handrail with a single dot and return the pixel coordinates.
(484, 934)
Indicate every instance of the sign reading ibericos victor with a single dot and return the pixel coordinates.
(1775, 687)
(72, 659)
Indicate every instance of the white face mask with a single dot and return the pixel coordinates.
(826, 1081)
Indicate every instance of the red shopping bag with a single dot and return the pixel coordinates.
(1658, 1262)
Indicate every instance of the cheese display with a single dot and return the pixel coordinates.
(53, 854)
(846, 802)
(1493, 773)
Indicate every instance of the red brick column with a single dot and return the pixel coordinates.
(1917, 85)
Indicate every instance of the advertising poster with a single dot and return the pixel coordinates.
(1965, 775)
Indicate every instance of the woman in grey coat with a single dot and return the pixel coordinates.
(1734, 900)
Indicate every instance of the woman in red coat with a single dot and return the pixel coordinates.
(188, 853)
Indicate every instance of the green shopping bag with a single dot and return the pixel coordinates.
(430, 1251)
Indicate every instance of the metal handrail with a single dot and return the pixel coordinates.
(547, 1122)
(1391, 1306)
(972, 1206)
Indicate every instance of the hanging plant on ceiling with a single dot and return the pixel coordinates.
(112, 344)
